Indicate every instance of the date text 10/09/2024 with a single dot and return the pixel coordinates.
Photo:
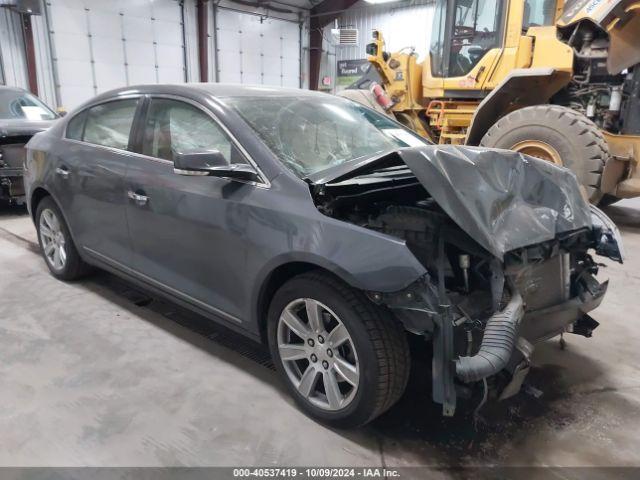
(316, 473)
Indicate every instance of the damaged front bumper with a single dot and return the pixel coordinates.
(504, 341)
(11, 184)
(420, 310)
(11, 170)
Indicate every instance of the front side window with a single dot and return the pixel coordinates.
(17, 104)
(310, 134)
(109, 124)
(476, 30)
(175, 127)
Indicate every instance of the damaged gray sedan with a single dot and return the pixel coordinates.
(327, 231)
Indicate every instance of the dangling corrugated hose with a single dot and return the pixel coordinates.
(498, 341)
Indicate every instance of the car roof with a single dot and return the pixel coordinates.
(219, 90)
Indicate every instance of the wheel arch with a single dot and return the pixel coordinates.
(38, 194)
(281, 274)
(522, 88)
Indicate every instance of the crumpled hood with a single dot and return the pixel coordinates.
(503, 199)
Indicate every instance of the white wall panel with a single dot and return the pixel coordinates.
(401, 25)
(13, 70)
(100, 45)
(44, 64)
(254, 49)
(191, 41)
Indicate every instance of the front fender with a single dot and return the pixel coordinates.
(364, 259)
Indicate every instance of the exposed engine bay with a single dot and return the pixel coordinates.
(482, 307)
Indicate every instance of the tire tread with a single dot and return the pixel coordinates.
(590, 138)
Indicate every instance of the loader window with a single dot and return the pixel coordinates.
(477, 29)
(436, 49)
(538, 13)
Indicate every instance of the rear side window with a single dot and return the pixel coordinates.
(76, 126)
(109, 124)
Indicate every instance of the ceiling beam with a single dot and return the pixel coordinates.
(322, 15)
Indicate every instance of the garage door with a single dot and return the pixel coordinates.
(13, 63)
(103, 45)
(257, 50)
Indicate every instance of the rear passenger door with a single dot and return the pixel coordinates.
(90, 175)
(188, 231)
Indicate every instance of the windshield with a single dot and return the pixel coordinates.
(310, 134)
(16, 104)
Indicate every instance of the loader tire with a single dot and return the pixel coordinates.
(556, 134)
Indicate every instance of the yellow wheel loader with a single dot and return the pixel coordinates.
(559, 80)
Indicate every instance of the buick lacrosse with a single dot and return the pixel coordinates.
(326, 230)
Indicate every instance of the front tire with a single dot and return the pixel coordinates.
(344, 360)
(59, 251)
(556, 134)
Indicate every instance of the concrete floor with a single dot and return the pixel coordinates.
(95, 373)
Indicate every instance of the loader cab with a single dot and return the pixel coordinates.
(470, 38)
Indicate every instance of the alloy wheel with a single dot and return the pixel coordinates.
(318, 354)
(52, 239)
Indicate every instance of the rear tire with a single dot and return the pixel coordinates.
(578, 141)
(377, 349)
(57, 247)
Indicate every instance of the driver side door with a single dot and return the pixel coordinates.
(187, 231)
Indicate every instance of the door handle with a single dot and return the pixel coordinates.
(137, 197)
(63, 172)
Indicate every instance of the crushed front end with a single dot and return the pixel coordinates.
(484, 316)
(14, 135)
(507, 244)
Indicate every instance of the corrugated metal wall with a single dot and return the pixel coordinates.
(13, 64)
(403, 25)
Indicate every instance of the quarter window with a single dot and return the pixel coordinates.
(75, 126)
(175, 127)
(109, 124)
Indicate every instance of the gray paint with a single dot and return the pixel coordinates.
(89, 378)
(233, 235)
(504, 200)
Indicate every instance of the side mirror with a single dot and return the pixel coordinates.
(213, 163)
